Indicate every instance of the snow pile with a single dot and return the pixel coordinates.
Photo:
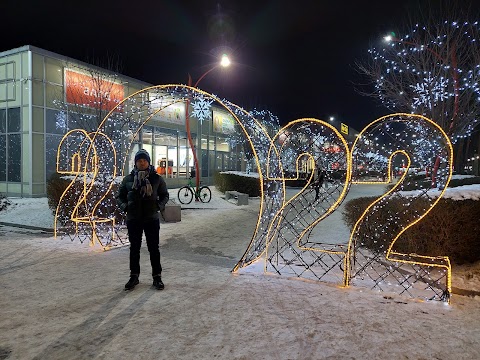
(460, 177)
(240, 173)
(28, 211)
(457, 193)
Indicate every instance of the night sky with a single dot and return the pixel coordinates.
(295, 58)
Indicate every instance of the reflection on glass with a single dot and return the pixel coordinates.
(14, 157)
(3, 120)
(3, 157)
(204, 163)
(56, 122)
(13, 120)
(147, 135)
(212, 163)
(51, 147)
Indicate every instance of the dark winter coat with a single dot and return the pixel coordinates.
(137, 207)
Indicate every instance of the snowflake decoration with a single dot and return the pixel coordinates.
(202, 108)
(61, 121)
(430, 89)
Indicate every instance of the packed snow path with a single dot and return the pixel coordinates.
(62, 300)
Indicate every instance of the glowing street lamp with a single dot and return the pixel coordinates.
(224, 62)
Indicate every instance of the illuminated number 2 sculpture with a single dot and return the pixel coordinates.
(408, 141)
(314, 155)
(309, 146)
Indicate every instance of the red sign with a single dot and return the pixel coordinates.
(91, 91)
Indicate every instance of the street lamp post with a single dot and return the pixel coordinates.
(224, 62)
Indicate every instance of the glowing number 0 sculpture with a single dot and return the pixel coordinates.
(87, 154)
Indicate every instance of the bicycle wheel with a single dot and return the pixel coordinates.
(205, 194)
(185, 195)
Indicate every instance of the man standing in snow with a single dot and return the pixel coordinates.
(142, 194)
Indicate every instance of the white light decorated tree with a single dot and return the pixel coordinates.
(431, 69)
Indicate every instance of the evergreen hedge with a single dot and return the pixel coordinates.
(56, 186)
(232, 182)
(451, 228)
(4, 202)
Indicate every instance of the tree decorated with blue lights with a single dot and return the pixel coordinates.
(431, 70)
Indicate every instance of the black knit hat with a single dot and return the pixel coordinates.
(142, 154)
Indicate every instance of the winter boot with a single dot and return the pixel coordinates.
(132, 282)
(157, 282)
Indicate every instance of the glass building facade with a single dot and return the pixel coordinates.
(32, 124)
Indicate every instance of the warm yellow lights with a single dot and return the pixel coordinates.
(85, 162)
(298, 227)
(390, 255)
(301, 150)
(135, 112)
(324, 128)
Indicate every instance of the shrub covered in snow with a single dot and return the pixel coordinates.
(56, 186)
(464, 181)
(245, 184)
(451, 228)
(4, 202)
(419, 181)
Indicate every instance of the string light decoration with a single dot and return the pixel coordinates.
(434, 70)
(314, 151)
(89, 159)
(297, 152)
(369, 258)
(81, 220)
(268, 119)
(372, 259)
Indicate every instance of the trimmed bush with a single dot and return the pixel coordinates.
(232, 182)
(56, 186)
(465, 181)
(414, 182)
(450, 229)
(4, 202)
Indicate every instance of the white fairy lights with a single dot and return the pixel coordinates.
(432, 71)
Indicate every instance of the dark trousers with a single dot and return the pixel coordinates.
(152, 234)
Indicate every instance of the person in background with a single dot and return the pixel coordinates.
(142, 195)
(318, 183)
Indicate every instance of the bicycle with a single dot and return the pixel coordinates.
(187, 192)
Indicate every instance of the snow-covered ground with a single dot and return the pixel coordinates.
(64, 300)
